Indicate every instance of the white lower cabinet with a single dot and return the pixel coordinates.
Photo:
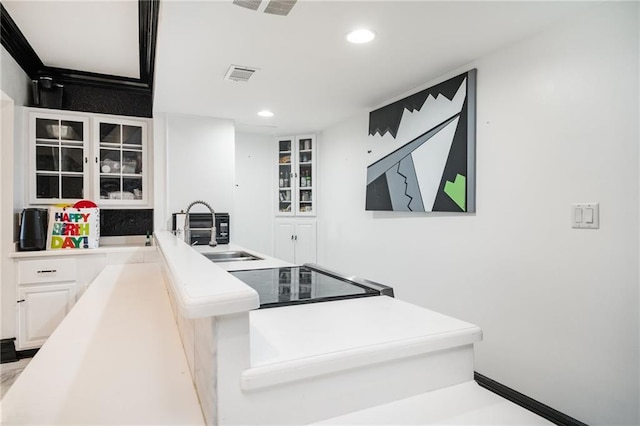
(295, 241)
(48, 286)
(40, 309)
(87, 269)
(46, 293)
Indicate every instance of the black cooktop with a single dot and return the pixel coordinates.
(306, 284)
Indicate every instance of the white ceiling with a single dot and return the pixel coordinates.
(310, 77)
(92, 36)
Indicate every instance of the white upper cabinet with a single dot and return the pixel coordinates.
(58, 158)
(121, 159)
(296, 175)
(75, 156)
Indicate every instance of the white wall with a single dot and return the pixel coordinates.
(14, 84)
(254, 192)
(161, 214)
(200, 155)
(17, 85)
(557, 122)
(13, 80)
(8, 292)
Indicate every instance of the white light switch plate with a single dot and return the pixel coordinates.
(585, 216)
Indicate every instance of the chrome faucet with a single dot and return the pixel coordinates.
(187, 229)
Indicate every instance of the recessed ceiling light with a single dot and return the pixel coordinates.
(361, 36)
(265, 113)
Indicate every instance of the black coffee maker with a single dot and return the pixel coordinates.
(33, 229)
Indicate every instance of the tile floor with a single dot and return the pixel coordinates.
(9, 372)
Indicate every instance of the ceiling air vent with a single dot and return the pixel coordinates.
(274, 7)
(280, 7)
(239, 73)
(249, 4)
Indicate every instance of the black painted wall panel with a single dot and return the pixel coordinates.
(80, 97)
(115, 223)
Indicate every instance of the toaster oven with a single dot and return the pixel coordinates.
(200, 227)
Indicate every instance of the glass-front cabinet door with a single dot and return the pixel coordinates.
(285, 175)
(306, 175)
(75, 155)
(121, 161)
(58, 158)
(296, 176)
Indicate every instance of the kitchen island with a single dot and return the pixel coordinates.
(319, 360)
(181, 342)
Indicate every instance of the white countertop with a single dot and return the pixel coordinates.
(203, 288)
(111, 248)
(115, 359)
(265, 262)
(294, 342)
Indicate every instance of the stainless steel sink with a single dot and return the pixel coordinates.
(230, 256)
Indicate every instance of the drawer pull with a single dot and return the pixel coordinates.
(21, 300)
(47, 271)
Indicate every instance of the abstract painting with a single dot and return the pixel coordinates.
(433, 169)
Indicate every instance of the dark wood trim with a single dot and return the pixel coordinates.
(63, 75)
(524, 401)
(8, 350)
(17, 45)
(148, 12)
(27, 353)
(19, 48)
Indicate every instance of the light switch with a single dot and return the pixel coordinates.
(588, 215)
(577, 215)
(585, 216)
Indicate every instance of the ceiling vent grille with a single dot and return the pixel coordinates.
(239, 73)
(249, 4)
(280, 7)
(274, 7)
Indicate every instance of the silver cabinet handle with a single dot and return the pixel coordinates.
(46, 271)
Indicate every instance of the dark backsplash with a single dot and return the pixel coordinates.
(115, 223)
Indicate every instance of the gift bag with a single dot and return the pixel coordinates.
(73, 228)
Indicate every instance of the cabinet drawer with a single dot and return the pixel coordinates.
(46, 271)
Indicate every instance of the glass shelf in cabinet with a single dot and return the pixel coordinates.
(134, 148)
(48, 142)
